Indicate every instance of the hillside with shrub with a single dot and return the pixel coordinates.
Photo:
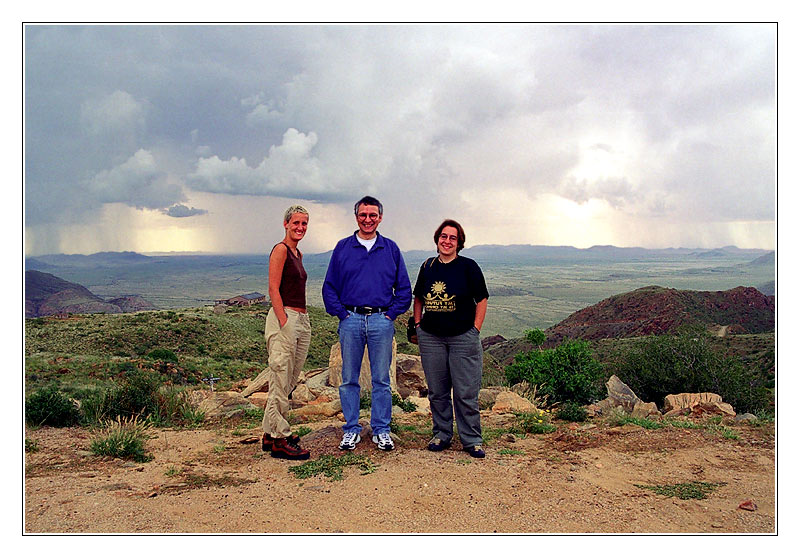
(657, 311)
(86, 353)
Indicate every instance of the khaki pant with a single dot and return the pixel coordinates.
(288, 347)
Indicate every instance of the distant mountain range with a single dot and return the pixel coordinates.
(490, 253)
(47, 295)
(52, 261)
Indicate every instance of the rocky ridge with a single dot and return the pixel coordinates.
(48, 295)
(658, 310)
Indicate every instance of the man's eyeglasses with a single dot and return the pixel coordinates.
(364, 216)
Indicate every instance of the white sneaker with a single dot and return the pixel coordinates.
(384, 441)
(349, 441)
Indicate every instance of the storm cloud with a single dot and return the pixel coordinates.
(514, 122)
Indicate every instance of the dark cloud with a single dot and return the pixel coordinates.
(681, 119)
(180, 210)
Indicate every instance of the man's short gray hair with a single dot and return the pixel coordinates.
(292, 210)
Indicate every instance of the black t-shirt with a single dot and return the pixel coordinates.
(449, 293)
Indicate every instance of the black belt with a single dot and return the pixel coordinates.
(366, 310)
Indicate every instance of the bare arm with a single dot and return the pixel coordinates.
(276, 261)
(480, 313)
(417, 310)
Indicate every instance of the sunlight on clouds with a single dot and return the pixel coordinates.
(171, 239)
(601, 157)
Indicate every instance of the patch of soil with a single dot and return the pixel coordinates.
(578, 479)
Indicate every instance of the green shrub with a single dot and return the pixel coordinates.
(95, 406)
(137, 395)
(688, 363)
(48, 406)
(572, 412)
(407, 406)
(565, 373)
(536, 337)
(124, 438)
(164, 355)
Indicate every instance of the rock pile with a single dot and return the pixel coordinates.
(317, 396)
(622, 399)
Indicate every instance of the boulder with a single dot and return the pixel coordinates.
(510, 402)
(488, 396)
(410, 376)
(685, 401)
(365, 379)
(301, 396)
(259, 383)
(713, 408)
(224, 404)
(645, 410)
(422, 403)
(319, 408)
(259, 399)
(318, 381)
(621, 395)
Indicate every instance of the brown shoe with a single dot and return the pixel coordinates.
(286, 448)
(266, 442)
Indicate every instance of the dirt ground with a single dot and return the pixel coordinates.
(579, 479)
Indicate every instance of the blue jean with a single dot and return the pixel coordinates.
(375, 332)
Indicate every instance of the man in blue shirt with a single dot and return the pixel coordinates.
(366, 287)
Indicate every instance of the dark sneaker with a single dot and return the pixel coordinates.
(349, 441)
(476, 451)
(266, 442)
(438, 445)
(384, 441)
(283, 448)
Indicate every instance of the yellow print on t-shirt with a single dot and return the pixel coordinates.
(438, 300)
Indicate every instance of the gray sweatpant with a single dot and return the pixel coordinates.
(453, 364)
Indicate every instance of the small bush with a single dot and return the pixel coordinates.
(568, 372)
(572, 412)
(48, 406)
(124, 438)
(137, 395)
(302, 431)
(536, 337)
(532, 423)
(164, 355)
(141, 394)
(407, 406)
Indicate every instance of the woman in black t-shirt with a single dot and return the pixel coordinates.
(450, 300)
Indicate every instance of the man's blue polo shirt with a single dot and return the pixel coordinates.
(377, 278)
